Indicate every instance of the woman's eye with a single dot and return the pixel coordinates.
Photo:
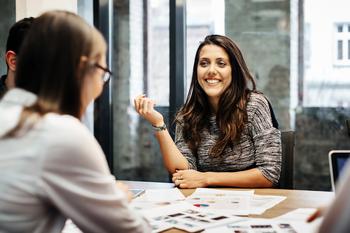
(221, 64)
(203, 63)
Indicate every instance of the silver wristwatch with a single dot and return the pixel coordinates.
(159, 128)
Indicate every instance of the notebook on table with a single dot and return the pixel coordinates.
(337, 160)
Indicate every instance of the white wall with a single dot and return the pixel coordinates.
(321, 70)
(27, 8)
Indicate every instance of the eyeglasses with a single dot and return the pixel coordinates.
(107, 73)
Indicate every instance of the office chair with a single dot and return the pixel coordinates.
(288, 143)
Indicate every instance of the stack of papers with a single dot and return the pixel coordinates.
(204, 209)
(185, 216)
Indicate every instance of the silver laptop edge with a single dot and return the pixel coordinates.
(331, 165)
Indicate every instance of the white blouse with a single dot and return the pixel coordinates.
(56, 171)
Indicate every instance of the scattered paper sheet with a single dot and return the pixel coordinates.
(291, 222)
(264, 226)
(154, 198)
(222, 201)
(255, 226)
(298, 218)
(186, 217)
(172, 194)
(221, 192)
(301, 214)
(260, 203)
(233, 202)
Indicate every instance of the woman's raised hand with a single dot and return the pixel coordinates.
(145, 107)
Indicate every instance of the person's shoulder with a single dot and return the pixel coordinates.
(69, 134)
(62, 121)
(70, 143)
(65, 129)
(256, 101)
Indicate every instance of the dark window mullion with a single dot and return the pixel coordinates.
(103, 105)
(177, 50)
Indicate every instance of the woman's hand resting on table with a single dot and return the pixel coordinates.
(190, 179)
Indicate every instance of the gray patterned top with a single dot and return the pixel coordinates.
(259, 146)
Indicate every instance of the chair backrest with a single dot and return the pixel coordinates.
(288, 143)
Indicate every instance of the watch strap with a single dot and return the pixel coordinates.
(159, 128)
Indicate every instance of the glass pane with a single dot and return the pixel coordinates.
(141, 66)
(340, 49)
(340, 28)
(204, 17)
(158, 65)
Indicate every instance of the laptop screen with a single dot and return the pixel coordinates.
(337, 161)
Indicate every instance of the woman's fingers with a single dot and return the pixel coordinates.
(177, 176)
(146, 106)
(141, 103)
(318, 213)
(137, 102)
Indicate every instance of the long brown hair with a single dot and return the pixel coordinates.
(231, 115)
(50, 64)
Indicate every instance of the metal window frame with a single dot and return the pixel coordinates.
(103, 124)
(177, 53)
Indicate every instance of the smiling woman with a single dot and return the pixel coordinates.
(214, 73)
(224, 131)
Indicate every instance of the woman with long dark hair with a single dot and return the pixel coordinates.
(224, 131)
(51, 167)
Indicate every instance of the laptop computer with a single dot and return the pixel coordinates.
(337, 160)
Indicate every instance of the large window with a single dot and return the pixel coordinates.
(342, 44)
(327, 50)
(324, 89)
(141, 41)
(296, 53)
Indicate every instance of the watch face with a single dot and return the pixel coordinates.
(159, 128)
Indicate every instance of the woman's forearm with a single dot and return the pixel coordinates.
(172, 157)
(251, 178)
